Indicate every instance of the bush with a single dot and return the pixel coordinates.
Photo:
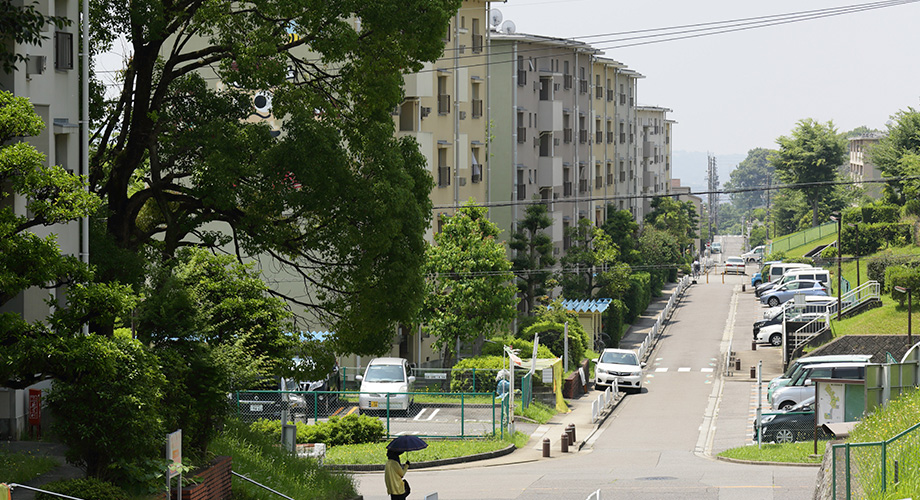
(639, 295)
(775, 256)
(497, 347)
(351, 429)
(829, 252)
(613, 319)
(876, 266)
(86, 488)
(552, 336)
(903, 276)
(461, 375)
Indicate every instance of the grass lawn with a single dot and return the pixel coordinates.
(375, 453)
(23, 467)
(800, 251)
(789, 453)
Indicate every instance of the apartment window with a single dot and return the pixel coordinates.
(566, 182)
(582, 81)
(583, 180)
(521, 72)
(477, 37)
(546, 144)
(622, 94)
(567, 128)
(622, 174)
(566, 76)
(598, 89)
(609, 174)
(546, 89)
(443, 96)
(609, 132)
(477, 100)
(407, 116)
(598, 178)
(521, 130)
(521, 187)
(598, 132)
(63, 50)
(477, 167)
(443, 168)
(582, 130)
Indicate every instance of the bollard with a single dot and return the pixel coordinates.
(738, 364)
(753, 371)
(570, 430)
(546, 447)
(753, 345)
(742, 287)
(564, 442)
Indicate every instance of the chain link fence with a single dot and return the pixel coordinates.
(875, 470)
(426, 414)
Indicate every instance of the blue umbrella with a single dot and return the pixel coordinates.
(407, 443)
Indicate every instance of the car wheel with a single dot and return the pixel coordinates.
(757, 283)
(773, 301)
(786, 405)
(776, 339)
(784, 436)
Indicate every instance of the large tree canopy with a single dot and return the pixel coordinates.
(753, 172)
(898, 154)
(334, 198)
(809, 158)
(533, 254)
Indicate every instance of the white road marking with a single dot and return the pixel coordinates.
(684, 369)
(660, 370)
(435, 412)
(419, 415)
(706, 370)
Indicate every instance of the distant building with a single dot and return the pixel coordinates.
(655, 160)
(684, 195)
(861, 169)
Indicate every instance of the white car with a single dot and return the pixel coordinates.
(619, 365)
(386, 385)
(734, 265)
(755, 255)
(801, 387)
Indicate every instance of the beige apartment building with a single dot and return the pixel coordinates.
(655, 159)
(861, 169)
(51, 81)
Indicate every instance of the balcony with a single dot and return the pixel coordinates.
(549, 116)
(477, 108)
(443, 104)
(549, 171)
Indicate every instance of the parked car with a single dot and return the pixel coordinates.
(620, 365)
(795, 424)
(773, 333)
(734, 265)
(785, 292)
(716, 247)
(798, 365)
(811, 273)
(755, 255)
(313, 397)
(801, 387)
(813, 303)
(757, 279)
(386, 381)
(775, 273)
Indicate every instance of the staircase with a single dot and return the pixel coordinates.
(866, 297)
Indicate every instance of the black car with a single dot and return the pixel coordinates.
(796, 424)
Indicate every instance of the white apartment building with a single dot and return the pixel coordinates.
(861, 169)
(655, 159)
(51, 81)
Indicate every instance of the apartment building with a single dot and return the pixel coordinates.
(50, 80)
(655, 160)
(861, 169)
(445, 111)
(684, 194)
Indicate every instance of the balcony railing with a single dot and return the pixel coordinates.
(609, 179)
(443, 104)
(598, 92)
(598, 182)
(583, 136)
(622, 98)
(567, 81)
(522, 191)
(583, 185)
(609, 137)
(567, 135)
(521, 135)
(598, 137)
(610, 95)
(583, 86)
(622, 137)
(477, 107)
(443, 176)
(522, 77)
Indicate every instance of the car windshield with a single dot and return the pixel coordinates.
(385, 373)
(619, 358)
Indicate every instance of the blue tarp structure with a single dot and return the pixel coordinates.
(594, 305)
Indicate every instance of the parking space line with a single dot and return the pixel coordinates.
(419, 414)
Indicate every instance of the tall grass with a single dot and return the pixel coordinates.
(23, 467)
(261, 459)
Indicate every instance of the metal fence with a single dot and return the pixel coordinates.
(869, 470)
(429, 414)
(784, 243)
(662, 318)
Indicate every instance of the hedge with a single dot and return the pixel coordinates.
(497, 347)
(903, 276)
(614, 319)
(876, 266)
(87, 488)
(351, 429)
(639, 295)
(551, 335)
(486, 368)
(873, 237)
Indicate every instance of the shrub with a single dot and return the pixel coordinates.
(552, 336)
(775, 256)
(86, 488)
(639, 295)
(351, 429)
(903, 276)
(497, 347)
(876, 266)
(829, 252)
(613, 319)
(461, 375)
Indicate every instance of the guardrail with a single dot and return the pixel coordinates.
(427, 414)
(603, 401)
(13, 486)
(660, 321)
(868, 469)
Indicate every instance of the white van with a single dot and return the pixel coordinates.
(801, 387)
(777, 271)
(796, 367)
(386, 385)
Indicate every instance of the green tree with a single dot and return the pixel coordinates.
(335, 198)
(623, 229)
(752, 173)
(661, 253)
(533, 254)
(809, 158)
(898, 155)
(591, 250)
(471, 291)
(677, 218)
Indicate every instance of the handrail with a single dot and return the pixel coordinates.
(261, 485)
(15, 485)
(857, 296)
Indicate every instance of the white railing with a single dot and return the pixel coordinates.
(594, 496)
(603, 401)
(810, 330)
(850, 300)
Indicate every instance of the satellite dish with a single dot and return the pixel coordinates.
(508, 27)
(495, 18)
(262, 101)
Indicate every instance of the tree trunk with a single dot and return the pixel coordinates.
(814, 212)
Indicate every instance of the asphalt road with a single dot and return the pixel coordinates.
(657, 444)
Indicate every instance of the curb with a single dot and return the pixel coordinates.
(425, 465)
(754, 462)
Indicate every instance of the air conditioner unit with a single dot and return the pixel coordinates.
(462, 181)
(35, 65)
(463, 115)
(536, 86)
(426, 111)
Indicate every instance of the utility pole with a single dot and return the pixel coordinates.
(712, 175)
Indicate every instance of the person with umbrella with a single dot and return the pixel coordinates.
(393, 471)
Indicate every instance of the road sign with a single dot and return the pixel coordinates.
(174, 454)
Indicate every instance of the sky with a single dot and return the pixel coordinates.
(737, 91)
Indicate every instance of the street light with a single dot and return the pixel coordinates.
(906, 290)
(838, 218)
